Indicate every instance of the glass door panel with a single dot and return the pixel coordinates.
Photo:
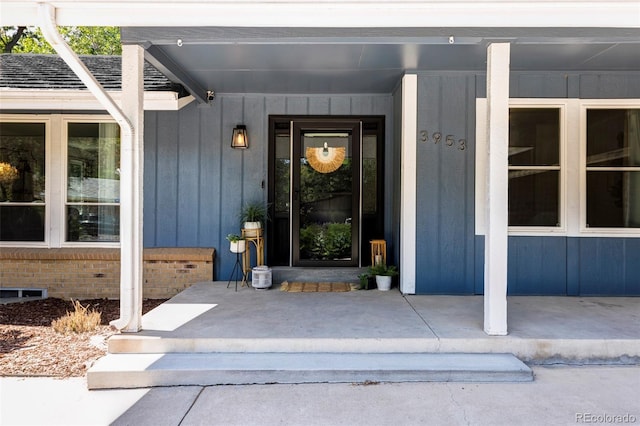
(326, 198)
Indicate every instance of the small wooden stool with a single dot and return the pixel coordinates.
(378, 252)
(256, 238)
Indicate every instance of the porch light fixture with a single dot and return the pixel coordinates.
(240, 140)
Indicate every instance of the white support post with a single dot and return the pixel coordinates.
(131, 188)
(495, 249)
(408, 184)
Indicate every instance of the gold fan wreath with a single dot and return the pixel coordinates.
(326, 160)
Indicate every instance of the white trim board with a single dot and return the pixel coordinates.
(82, 100)
(332, 13)
(408, 183)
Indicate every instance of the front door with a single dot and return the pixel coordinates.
(325, 190)
(325, 202)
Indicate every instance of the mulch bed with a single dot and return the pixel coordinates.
(30, 347)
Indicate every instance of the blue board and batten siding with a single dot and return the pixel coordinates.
(445, 184)
(195, 183)
(450, 257)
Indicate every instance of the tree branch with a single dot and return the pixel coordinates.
(8, 47)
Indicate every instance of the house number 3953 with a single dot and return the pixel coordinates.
(449, 140)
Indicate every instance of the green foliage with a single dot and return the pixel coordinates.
(369, 185)
(234, 238)
(315, 186)
(364, 281)
(338, 240)
(83, 40)
(327, 241)
(382, 269)
(282, 183)
(254, 211)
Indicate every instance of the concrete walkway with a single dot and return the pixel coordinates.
(558, 396)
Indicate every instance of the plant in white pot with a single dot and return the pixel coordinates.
(384, 274)
(237, 244)
(252, 216)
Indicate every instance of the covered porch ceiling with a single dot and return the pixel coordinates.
(355, 46)
(355, 60)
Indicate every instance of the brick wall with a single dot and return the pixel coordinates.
(86, 273)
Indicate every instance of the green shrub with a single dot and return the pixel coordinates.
(327, 241)
(338, 240)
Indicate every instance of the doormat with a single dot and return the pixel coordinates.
(316, 287)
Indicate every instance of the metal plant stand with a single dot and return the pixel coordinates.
(237, 269)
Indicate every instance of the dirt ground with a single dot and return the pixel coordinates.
(29, 346)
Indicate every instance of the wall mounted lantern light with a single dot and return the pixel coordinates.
(239, 139)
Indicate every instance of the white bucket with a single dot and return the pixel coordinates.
(261, 277)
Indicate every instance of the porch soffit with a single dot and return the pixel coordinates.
(357, 60)
(359, 46)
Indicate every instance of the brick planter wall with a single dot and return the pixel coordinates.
(87, 273)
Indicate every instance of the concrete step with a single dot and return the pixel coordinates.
(150, 344)
(341, 274)
(203, 369)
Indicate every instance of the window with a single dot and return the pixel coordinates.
(534, 167)
(574, 167)
(22, 181)
(93, 182)
(59, 180)
(612, 168)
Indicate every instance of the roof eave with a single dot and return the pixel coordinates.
(332, 13)
(82, 100)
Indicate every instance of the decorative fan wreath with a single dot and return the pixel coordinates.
(325, 160)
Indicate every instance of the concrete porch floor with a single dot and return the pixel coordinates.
(209, 317)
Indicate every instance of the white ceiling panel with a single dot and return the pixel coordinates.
(307, 60)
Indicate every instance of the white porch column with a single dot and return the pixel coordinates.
(495, 249)
(131, 185)
(408, 184)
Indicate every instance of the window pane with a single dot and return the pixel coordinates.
(21, 223)
(93, 223)
(613, 137)
(282, 175)
(369, 174)
(22, 161)
(93, 167)
(534, 137)
(533, 198)
(613, 199)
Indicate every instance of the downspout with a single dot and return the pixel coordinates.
(49, 30)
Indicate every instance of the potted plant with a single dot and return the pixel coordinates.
(364, 281)
(384, 274)
(237, 244)
(252, 216)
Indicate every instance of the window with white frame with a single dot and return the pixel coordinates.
(22, 181)
(93, 182)
(59, 180)
(612, 167)
(574, 167)
(534, 166)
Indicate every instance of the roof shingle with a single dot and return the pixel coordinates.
(32, 71)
